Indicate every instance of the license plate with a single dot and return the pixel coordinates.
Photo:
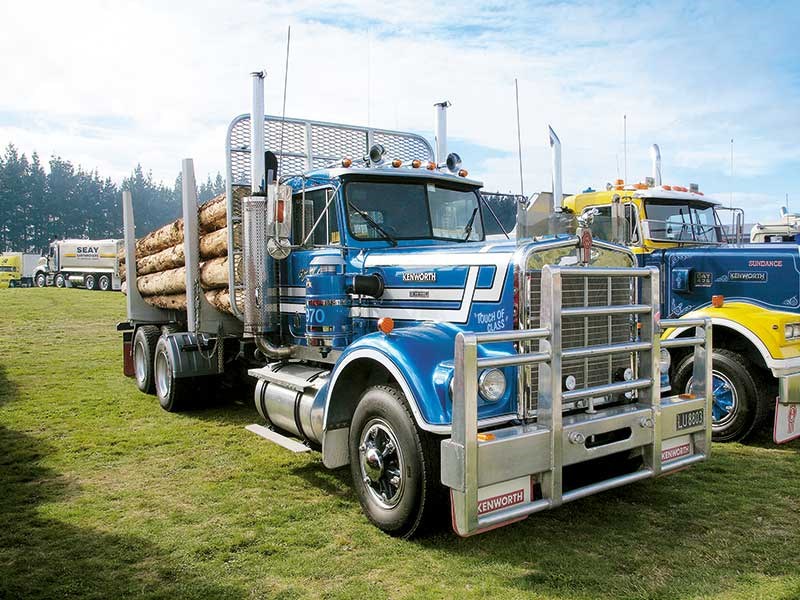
(691, 418)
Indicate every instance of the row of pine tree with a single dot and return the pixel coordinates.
(39, 205)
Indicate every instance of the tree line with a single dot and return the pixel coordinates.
(38, 206)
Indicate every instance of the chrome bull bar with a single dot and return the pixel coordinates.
(493, 475)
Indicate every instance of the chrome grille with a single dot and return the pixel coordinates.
(578, 332)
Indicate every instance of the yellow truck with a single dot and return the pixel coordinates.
(749, 291)
(17, 268)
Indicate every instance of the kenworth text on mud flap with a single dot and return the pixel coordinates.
(751, 293)
(383, 331)
(92, 264)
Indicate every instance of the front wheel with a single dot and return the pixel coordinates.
(394, 471)
(737, 407)
(41, 280)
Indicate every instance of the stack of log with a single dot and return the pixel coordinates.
(160, 259)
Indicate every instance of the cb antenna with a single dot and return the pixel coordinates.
(625, 145)
(519, 141)
(285, 81)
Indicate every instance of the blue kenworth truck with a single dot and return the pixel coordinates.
(382, 329)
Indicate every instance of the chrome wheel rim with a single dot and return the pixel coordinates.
(724, 402)
(104, 284)
(382, 464)
(40, 281)
(90, 283)
(139, 362)
(163, 379)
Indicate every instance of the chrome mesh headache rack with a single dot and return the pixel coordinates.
(510, 472)
(300, 145)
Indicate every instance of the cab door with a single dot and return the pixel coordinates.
(315, 232)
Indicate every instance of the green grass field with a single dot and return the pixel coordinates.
(104, 495)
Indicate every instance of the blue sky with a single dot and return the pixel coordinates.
(112, 84)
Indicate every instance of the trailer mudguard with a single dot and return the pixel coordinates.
(762, 327)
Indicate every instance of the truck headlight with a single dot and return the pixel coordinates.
(791, 331)
(664, 360)
(492, 384)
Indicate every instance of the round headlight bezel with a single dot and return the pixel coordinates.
(492, 384)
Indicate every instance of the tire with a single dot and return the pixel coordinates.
(104, 283)
(90, 282)
(398, 487)
(144, 348)
(174, 394)
(60, 281)
(738, 407)
(41, 280)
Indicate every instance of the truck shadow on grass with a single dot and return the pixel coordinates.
(720, 527)
(42, 557)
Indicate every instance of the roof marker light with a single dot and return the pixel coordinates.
(416, 163)
(667, 187)
(431, 166)
(397, 163)
(463, 173)
(346, 162)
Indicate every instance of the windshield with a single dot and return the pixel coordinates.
(396, 211)
(677, 221)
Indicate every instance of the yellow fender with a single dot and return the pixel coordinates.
(764, 328)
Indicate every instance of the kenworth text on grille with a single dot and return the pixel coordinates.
(751, 293)
(382, 329)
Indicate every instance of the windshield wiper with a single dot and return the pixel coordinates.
(373, 223)
(468, 228)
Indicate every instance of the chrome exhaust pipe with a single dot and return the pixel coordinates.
(555, 152)
(655, 156)
(440, 141)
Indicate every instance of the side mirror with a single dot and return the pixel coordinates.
(619, 230)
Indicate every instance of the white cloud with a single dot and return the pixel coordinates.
(110, 85)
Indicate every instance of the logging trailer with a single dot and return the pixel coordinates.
(382, 329)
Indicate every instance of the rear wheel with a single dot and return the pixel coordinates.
(174, 394)
(394, 468)
(737, 406)
(104, 283)
(144, 347)
(41, 280)
(60, 281)
(90, 282)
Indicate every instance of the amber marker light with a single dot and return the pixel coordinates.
(397, 163)
(416, 163)
(386, 325)
(667, 187)
(717, 300)
(431, 166)
(463, 173)
(486, 437)
(346, 162)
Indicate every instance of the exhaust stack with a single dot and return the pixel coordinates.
(257, 165)
(655, 156)
(555, 149)
(440, 141)
(260, 283)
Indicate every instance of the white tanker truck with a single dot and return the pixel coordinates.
(92, 264)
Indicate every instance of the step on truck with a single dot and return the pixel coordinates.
(751, 293)
(90, 264)
(496, 379)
